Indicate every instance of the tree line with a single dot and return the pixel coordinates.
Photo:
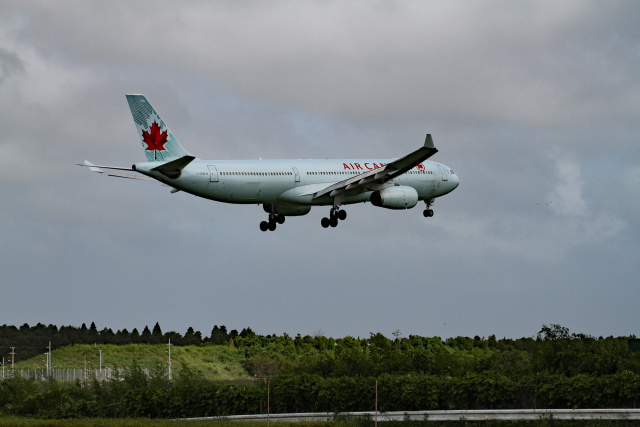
(555, 349)
(554, 369)
(29, 341)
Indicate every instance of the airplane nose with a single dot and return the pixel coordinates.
(455, 181)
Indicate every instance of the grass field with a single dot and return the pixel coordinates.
(213, 362)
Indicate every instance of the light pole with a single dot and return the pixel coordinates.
(376, 424)
(169, 361)
(268, 396)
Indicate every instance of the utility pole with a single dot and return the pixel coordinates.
(268, 397)
(46, 363)
(100, 360)
(169, 361)
(376, 424)
(50, 366)
(13, 353)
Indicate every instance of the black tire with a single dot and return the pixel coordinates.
(280, 219)
(264, 226)
(325, 222)
(430, 212)
(425, 213)
(342, 215)
(333, 222)
(272, 226)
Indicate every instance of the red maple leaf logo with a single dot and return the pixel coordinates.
(421, 167)
(154, 139)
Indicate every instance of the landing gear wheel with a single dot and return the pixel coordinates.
(428, 213)
(333, 221)
(325, 222)
(264, 226)
(272, 226)
(280, 219)
(342, 215)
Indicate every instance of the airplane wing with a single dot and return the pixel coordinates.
(98, 169)
(375, 179)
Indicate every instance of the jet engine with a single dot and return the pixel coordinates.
(286, 210)
(399, 197)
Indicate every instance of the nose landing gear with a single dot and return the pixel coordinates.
(335, 215)
(271, 224)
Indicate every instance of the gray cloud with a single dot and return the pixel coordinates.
(9, 64)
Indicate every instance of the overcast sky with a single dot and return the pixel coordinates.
(535, 105)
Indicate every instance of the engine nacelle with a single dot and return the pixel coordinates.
(400, 197)
(286, 210)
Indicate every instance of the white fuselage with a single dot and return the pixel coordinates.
(294, 182)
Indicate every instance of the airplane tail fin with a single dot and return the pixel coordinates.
(157, 140)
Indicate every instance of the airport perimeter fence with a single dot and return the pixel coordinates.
(67, 375)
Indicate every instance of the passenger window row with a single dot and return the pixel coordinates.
(334, 173)
(256, 173)
(310, 173)
(357, 173)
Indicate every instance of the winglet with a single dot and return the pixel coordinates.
(428, 141)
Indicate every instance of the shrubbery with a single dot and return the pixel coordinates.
(318, 374)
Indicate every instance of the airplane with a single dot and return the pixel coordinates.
(285, 187)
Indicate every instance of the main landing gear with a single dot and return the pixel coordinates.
(274, 220)
(335, 215)
(428, 212)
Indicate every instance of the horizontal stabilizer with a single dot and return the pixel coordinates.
(93, 167)
(99, 169)
(173, 169)
(96, 168)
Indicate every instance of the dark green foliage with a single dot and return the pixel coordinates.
(140, 396)
(557, 369)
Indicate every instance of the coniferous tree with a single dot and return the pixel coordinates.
(93, 333)
(107, 336)
(247, 332)
(175, 337)
(156, 335)
(219, 335)
(146, 335)
(192, 337)
(135, 336)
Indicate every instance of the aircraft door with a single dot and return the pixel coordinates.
(296, 174)
(213, 173)
(445, 175)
